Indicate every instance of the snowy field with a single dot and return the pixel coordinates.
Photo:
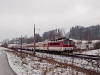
(92, 65)
(92, 52)
(30, 65)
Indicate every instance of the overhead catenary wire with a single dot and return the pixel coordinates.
(88, 20)
(91, 12)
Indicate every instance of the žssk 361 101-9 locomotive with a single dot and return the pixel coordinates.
(62, 46)
(58, 46)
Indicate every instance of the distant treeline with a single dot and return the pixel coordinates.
(49, 35)
(85, 33)
(77, 32)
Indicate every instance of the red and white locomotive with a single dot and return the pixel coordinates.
(61, 46)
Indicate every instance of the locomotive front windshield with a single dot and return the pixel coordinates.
(68, 42)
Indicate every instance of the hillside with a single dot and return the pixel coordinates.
(85, 33)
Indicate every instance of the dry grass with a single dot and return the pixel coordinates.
(50, 60)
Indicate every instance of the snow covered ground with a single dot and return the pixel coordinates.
(30, 65)
(83, 63)
(92, 52)
(83, 44)
(34, 66)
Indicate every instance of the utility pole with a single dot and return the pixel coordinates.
(89, 38)
(21, 42)
(34, 40)
(21, 48)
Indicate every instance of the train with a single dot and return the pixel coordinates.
(55, 46)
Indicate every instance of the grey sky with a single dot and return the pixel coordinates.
(17, 17)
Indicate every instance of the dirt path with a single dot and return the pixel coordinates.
(5, 69)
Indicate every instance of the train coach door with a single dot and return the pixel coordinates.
(46, 47)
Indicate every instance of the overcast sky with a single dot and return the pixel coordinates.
(17, 17)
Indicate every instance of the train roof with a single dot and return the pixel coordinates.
(50, 41)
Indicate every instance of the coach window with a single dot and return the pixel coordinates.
(66, 42)
(54, 43)
(70, 42)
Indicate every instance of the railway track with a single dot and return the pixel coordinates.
(83, 56)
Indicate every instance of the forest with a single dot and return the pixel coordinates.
(85, 33)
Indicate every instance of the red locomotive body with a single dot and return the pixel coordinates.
(64, 45)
